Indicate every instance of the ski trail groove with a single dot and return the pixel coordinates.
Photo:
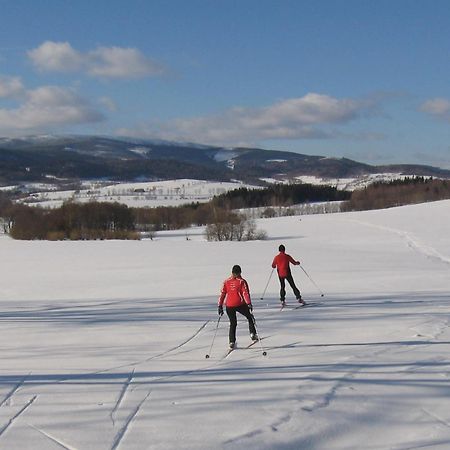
(411, 241)
(273, 427)
(329, 395)
(432, 328)
(248, 435)
(178, 346)
(11, 421)
(436, 418)
(53, 439)
(122, 432)
(122, 395)
(281, 421)
(14, 390)
(164, 353)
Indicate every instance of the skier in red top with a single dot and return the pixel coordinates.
(236, 295)
(281, 262)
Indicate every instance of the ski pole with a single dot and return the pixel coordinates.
(267, 284)
(214, 337)
(264, 353)
(312, 281)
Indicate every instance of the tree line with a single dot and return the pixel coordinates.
(279, 195)
(409, 190)
(104, 220)
(71, 221)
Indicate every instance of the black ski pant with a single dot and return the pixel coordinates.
(291, 282)
(231, 312)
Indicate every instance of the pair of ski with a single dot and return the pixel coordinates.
(300, 305)
(230, 350)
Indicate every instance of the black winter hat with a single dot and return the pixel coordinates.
(236, 270)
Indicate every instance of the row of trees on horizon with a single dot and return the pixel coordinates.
(410, 190)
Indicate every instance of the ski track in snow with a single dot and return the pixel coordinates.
(431, 328)
(279, 422)
(326, 398)
(74, 307)
(14, 390)
(438, 419)
(412, 241)
(122, 432)
(139, 362)
(53, 438)
(122, 395)
(178, 346)
(325, 401)
(19, 413)
(244, 436)
(159, 355)
(272, 427)
(329, 396)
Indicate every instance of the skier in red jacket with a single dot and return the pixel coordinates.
(281, 262)
(236, 295)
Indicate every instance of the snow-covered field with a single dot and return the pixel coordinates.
(103, 343)
(143, 194)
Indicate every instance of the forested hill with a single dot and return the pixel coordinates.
(44, 158)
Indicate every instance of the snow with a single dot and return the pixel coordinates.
(8, 188)
(140, 150)
(225, 155)
(103, 343)
(138, 194)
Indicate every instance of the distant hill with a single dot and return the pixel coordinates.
(44, 158)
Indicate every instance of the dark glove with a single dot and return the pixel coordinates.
(220, 310)
(250, 307)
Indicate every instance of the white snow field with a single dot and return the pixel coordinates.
(103, 343)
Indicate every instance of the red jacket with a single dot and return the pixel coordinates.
(236, 292)
(281, 262)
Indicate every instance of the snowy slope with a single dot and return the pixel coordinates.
(103, 343)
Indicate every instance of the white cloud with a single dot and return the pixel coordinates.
(437, 107)
(297, 118)
(11, 87)
(56, 56)
(103, 62)
(47, 107)
(117, 62)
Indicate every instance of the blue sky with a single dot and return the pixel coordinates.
(368, 80)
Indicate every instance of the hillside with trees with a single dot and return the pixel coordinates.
(279, 195)
(398, 193)
(74, 158)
